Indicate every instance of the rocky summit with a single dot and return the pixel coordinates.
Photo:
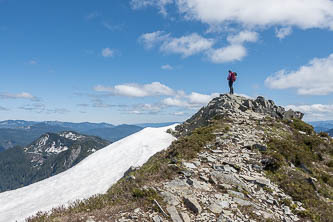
(237, 159)
(226, 104)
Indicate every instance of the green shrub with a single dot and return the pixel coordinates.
(302, 126)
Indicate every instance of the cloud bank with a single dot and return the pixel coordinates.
(194, 43)
(316, 78)
(314, 112)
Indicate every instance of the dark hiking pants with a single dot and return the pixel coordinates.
(231, 86)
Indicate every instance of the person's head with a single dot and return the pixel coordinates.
(235, 73)
(230, 71)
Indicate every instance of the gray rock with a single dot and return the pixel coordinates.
(224, 204)
(185, 217)
(262, 181)
(223, 218)
(177, 183)
(192, 204)
(189, 165)
(236, 194)
(157, 218)
(229, 169)
(201, 185)
(170, 199)
(213, 180)
(90, 220)
(242, 202)
(248, 178)
(266, 215)
(215, 208)
(174, 214)
(228, 179)
(204, 178)
(286, 210)
(225, 186)
(186, 173)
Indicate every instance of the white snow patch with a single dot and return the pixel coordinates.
(93, 175)
(57, 150)
(42, 141)
(71, 136)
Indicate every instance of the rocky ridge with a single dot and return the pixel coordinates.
(236, 104)
(226, 181)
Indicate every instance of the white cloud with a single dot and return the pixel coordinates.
(201, 99)
(243, 36)
(108, 26)
(283, 32)
(187, 45)
(175, 102)
(137, 90)
(179, 113)
(304, 14)
(167, 67)
(314, 112)
(193, 100)
(23, 95)
(235, 51)
(32, 62)
(160, 4)
(149, 40)
(194, 44)
(92, 15)
(184, 45)
(112, 27)
(107, 52)
(227, 54)
(316, 78)
(144, 108)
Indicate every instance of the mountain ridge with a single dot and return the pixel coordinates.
(236, 159)
(50, 154)
(21, 133)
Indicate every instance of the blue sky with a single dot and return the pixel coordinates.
(133, 61)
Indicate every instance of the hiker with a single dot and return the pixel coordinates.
(231, 78)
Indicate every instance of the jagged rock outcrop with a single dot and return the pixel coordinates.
(226, 103)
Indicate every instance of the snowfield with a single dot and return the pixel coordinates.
(93, 175)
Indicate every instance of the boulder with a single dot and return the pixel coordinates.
(175, 217)
(192, 204)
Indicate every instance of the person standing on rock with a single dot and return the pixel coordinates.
(231, 78)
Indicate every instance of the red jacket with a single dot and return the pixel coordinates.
(231, 77)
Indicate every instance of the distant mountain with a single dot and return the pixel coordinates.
(80, 127)
(115, 133)
(49, 155)
(22, 124)
(144, 125)
(12, 137)
(16, 124)
(21, 133)
(322, 126)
